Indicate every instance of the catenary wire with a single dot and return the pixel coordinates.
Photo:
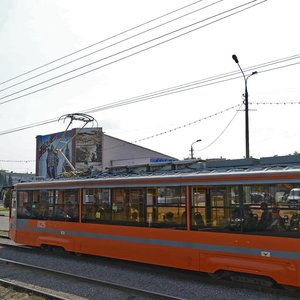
(165, 132)
(106, 47)
(122, 58)
(188, 124)
(18, 161)
(222, 132)
(156, 94)
(178, 89)
(110, 56)
(194, 122)
(182, 88)
(99, 42)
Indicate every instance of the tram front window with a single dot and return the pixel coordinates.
(49, 205)
(23, 205)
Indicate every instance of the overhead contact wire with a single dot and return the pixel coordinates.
(102, 41)
(104, 48)
(122, 58)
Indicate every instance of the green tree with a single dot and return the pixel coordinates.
(10, 180)
(1, 179)
(5, 181)
(7, 196)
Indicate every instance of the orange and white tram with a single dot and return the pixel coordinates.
(239, 219)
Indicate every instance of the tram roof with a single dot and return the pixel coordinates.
(195, 167)
(264, 164)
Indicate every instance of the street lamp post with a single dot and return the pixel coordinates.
(234, 57)
(192, 150)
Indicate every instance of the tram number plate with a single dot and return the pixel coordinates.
(41, 224)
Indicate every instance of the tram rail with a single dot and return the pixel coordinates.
(144, 294)
(188, 281)
(27, 290)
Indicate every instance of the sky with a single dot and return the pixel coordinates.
(117, 51)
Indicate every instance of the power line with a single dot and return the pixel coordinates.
(102, 41)
(189, 124)
(205, 118)
(168, 91)
(276, 103)
(37, 124)
(17, 161)
(162, 133)
(104, 48)
(226, 127)
(110, 56)
(130, 55)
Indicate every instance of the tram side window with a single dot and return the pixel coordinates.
(276, 207)
(66, 207)
(198, 211)
(45, 207)
(96, 206)
(261, 209)
(136, 200)
(128, 206)
(166, 207)
(46, 202)
(211, 207)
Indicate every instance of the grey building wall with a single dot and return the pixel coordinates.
(118, 152)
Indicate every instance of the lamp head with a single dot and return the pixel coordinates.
(234, 57)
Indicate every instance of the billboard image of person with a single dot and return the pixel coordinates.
(80, 147)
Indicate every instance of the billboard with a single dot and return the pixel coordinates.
(81, 147)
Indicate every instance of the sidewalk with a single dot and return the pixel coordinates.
(4, 223)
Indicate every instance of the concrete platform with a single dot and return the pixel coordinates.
(4, 222)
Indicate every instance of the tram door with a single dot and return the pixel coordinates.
(13, 216)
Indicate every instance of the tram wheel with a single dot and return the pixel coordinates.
(252, 279)
(219, 275)
(45, 247)
(291, 288)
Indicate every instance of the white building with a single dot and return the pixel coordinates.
(89, 148)
(117, 152)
